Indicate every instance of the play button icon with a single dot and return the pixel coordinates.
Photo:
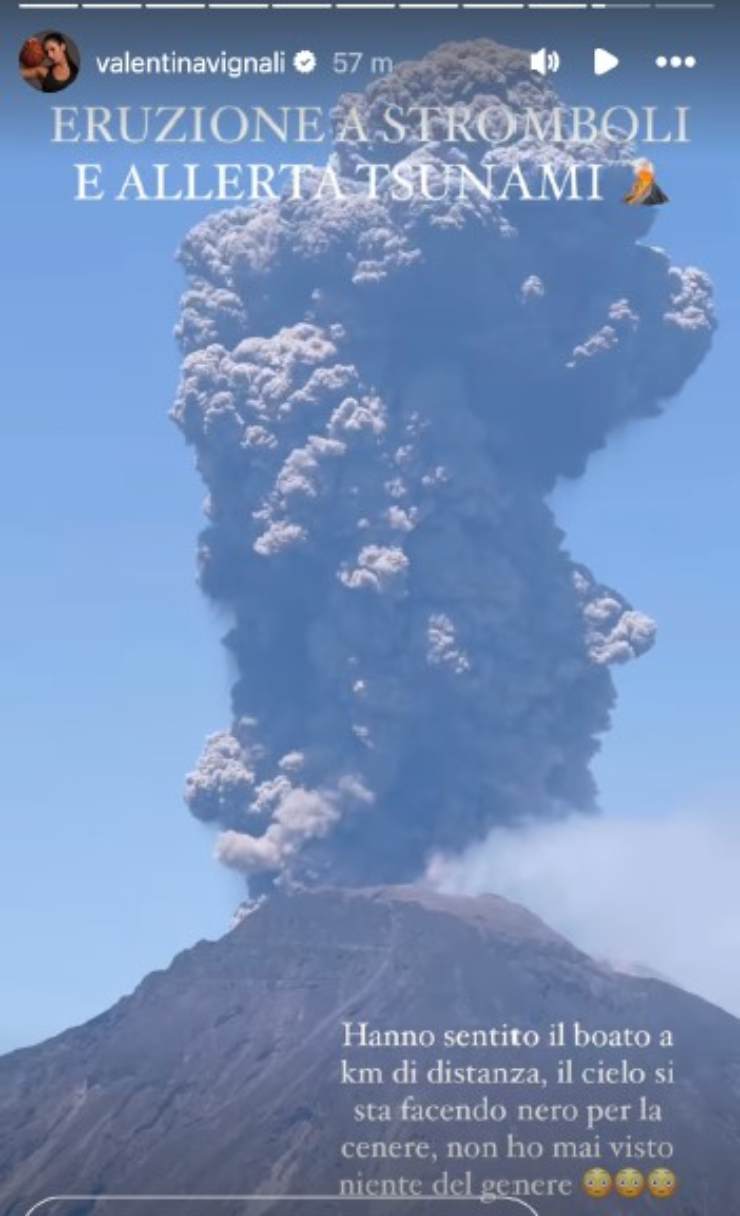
(604, 61)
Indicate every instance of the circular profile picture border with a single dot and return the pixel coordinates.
(49, 61)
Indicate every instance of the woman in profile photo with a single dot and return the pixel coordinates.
(47, 63)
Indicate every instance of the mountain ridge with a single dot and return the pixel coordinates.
(219, 1074)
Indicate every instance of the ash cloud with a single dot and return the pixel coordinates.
(380, 395)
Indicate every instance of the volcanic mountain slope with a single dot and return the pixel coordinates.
(221, 1074)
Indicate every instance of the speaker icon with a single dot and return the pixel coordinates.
(544, 61)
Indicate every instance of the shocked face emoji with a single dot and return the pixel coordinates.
(597, 1183)
(662, 1183)
(629, 1183)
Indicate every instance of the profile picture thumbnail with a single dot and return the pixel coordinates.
(49, 61)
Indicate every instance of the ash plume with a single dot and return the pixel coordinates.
(380, 395)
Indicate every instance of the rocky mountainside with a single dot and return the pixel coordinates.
(220, 1075)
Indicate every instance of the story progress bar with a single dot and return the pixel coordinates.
(364, 5)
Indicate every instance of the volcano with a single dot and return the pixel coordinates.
(223, 1074)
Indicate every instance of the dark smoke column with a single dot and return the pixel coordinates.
(380, 395)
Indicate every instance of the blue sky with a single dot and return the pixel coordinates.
(113, 672)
